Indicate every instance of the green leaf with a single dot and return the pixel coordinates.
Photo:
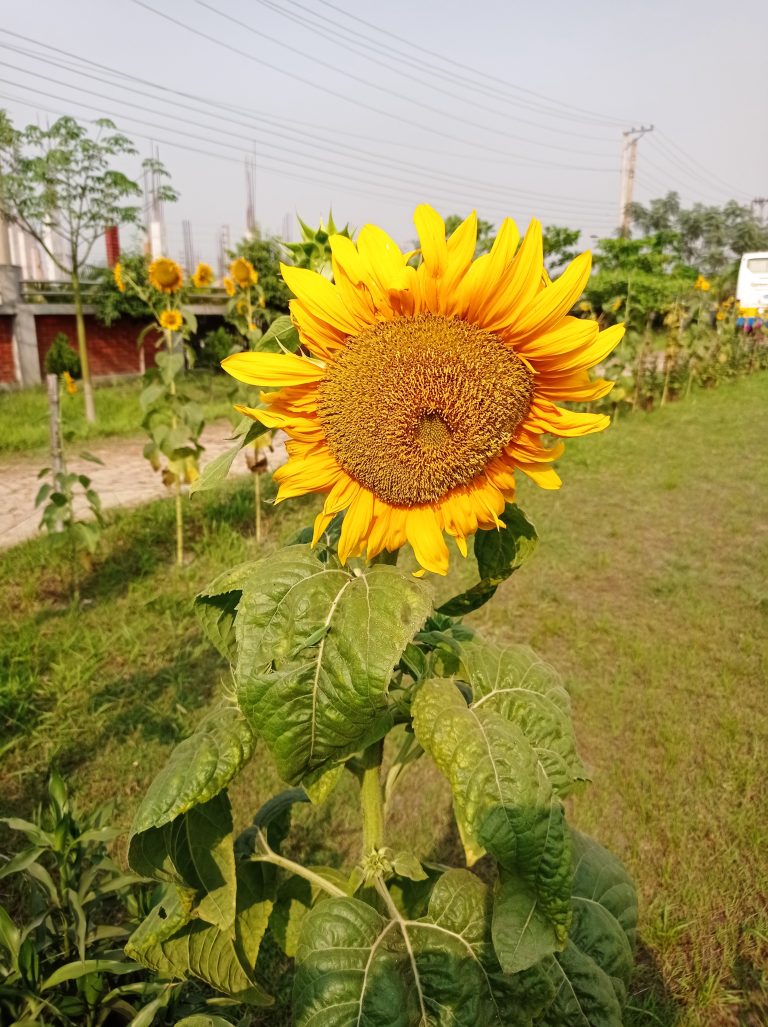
(355, 966)
(197, 769)
(151, 395)
(21, 861)
(10, 937)
(216, 606)
(174, 946)
(592, 974)
(203, 1020)
(194, 852)
(281, 336)
(515, 682)
(499, 553)
(72, 971)
(316, 648)
(215, 472)
(504, 805)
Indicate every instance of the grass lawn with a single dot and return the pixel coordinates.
(24, 413)
(648, 593)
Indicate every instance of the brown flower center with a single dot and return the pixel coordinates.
(415, 407)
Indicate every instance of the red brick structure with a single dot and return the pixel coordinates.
(7, 369)
(111, 350)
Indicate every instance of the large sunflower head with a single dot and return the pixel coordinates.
(165, 275)
(425, 388)
(172, 320)
(203, 276)
(243, 272)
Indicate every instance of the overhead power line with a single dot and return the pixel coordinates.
(452, 64)
(451, 116)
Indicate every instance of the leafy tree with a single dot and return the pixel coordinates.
(560, 247)
(58, 182)
(709, 238)
(109, 303)
(266, 253)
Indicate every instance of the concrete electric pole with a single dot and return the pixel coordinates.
(628, 162)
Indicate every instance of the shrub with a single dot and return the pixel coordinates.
(61, 358)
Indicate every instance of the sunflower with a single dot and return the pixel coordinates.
(165, 275)
(702, 284)
(172, 320)
(427, 387)
(230, 286)
(203, 276)
(117, 274)
(243, 272)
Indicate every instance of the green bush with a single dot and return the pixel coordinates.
(61, 358)
(217, 345)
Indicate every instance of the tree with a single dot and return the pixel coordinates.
(560, 247)
(58, 183)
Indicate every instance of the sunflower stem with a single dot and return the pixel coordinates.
(371, 799)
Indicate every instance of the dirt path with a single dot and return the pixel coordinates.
(126, 478)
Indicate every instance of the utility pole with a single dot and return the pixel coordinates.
(628, 163)
(250, 195)
(189, 251)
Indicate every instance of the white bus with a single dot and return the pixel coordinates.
(752, 285)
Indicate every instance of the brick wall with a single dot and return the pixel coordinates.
(111, 350)
(7, 370)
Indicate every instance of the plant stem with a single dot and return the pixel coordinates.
(177, 480)
(82, 346)
(257, 491)
(296, 868)
(371, 801)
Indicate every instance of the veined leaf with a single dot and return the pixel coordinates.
(197, 769)
(172, 945)
(316, 649)
(281, 337)
(216, 471)
(195, 853)
(216, 607)
(504, 805)
(592, 974)
(520, 686)
(357, 967)
(499, 552)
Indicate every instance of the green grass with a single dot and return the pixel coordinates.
(648, 593)
(24, 413)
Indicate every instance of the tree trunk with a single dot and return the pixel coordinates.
(82, 348)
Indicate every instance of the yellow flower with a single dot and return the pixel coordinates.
(70, 383)
(425, 388)
(243, 272)
(616, 305)
(172, 320)
(262, 301)
(165, 275)
(117, 273)
(203, 276)
(241, 307)
(585, 306)
(720, 315)
(229, 285)
(702, 284)
(252, 327)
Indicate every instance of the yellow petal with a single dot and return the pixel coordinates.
(320, 297)
(426, 538)
(431, 229)
(272, 369)
(356, 525)
(554, 302)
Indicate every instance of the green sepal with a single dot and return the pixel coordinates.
(499, 552)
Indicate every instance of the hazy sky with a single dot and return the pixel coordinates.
(372, 107)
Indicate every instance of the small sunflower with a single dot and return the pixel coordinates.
(230, 286)
(203, 276)
(117, 274)
(172, 320)
(427, 387)
(69, 383)
(243, 272)
(165, 275)
(702, 284)
(585, 306)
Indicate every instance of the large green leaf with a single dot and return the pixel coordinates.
(173, 945)
(357, 968)
(316, 649)
(592, 974)
(281, 337)
(216, 471)
(216, 608)
(195, 853)
(499, 552)
(517, 683)
(504, 805)
(197, 769)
